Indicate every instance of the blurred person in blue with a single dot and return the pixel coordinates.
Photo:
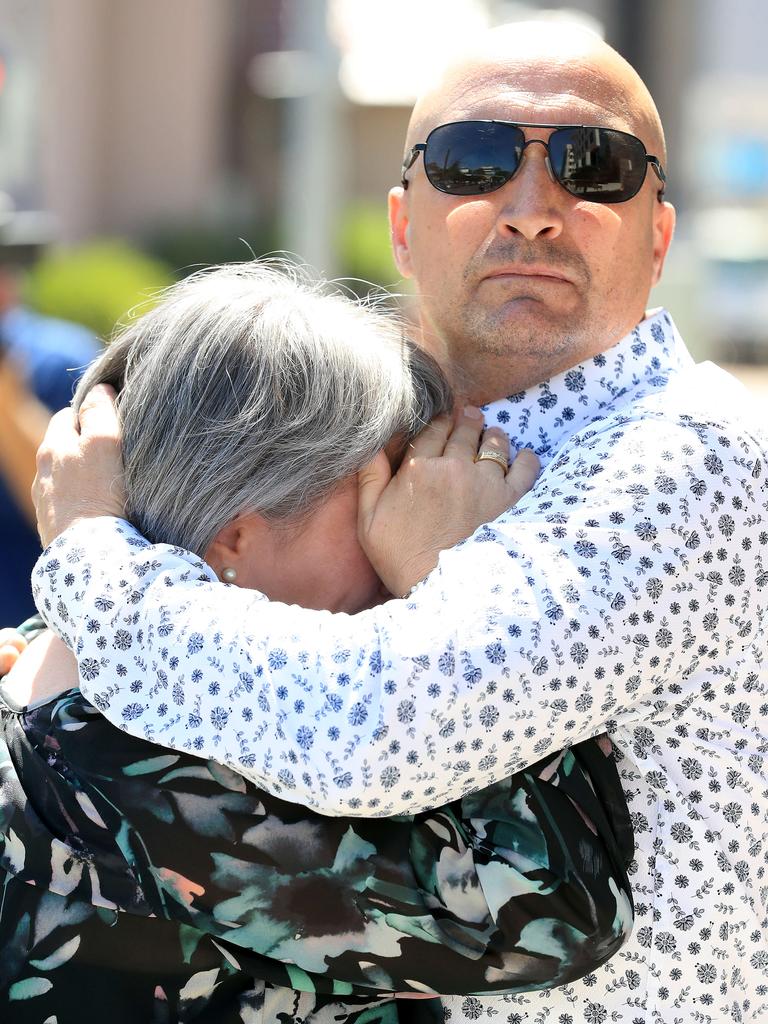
(41, 359)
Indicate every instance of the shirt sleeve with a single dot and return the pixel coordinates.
(597, 602)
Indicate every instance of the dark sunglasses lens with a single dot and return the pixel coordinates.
(599, 164)
(472, 157)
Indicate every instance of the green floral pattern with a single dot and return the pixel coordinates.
(141, 884)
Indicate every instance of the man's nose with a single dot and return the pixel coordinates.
(532, 201)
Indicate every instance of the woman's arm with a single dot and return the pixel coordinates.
(40, 670)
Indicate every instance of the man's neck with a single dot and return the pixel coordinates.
(496, 378)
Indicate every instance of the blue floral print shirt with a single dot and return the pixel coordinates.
(625, 592)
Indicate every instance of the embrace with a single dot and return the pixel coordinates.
(407, 704)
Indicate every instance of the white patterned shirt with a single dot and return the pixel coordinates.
(626, 592)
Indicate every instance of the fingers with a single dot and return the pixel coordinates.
(61, 433)
(61, 436)
(12, 637)
(522, 474)
(466, 433)
(79, 466)
(371, 483)
(8, 658)
(11, 646)
(98, 413)
(431, 441)
(496, 442)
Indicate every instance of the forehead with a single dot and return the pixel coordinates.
(576, 94)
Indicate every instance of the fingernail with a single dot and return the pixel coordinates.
(472, 412)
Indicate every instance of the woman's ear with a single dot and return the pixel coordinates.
(227, 551)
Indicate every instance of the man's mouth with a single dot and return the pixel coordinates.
(540, 272)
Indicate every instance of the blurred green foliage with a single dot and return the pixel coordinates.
(96, 283)
(186, 248)
(363, 246)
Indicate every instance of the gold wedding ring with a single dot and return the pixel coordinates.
(493, 456)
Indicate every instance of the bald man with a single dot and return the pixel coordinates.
(521, 282)
(625, 593)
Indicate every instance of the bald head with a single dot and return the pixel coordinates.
(547, 66)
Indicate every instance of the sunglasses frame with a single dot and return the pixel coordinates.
(421, 147)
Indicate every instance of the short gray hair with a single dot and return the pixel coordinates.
(254, 388)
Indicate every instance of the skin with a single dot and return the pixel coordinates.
(318, 564)
(11, 646)
(520, 284)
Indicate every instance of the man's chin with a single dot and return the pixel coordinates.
(526, 327)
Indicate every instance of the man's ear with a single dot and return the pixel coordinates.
(663, 228)
(398, 230)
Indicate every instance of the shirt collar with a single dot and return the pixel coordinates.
(545, 415)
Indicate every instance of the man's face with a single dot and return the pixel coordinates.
(521, 283)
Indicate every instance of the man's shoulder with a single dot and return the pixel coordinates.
(702, 400)
(700, 417)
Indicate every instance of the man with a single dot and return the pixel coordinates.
(625, 592)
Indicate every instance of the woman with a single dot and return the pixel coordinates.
(249, 401)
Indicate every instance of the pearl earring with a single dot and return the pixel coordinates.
(229, 575)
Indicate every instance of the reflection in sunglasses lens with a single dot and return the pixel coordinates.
(473, 157)
(597, 162)
(470, 158)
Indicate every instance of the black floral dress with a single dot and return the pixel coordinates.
(141, 884)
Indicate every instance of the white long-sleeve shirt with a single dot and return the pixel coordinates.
(626, 591)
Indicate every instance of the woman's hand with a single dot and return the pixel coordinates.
(12, 643)
(439, 496)
(47, 669)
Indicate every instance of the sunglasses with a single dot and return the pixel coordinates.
(470, 158)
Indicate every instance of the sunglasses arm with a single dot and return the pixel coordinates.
(659, 171)
(410, 160)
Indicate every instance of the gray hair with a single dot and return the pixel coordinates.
(253, 388)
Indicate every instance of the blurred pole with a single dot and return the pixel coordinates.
(311, 186)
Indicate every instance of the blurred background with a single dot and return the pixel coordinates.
(139, 140)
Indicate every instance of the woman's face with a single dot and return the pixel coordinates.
(318, 564)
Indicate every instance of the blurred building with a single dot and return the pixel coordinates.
(130, 118)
